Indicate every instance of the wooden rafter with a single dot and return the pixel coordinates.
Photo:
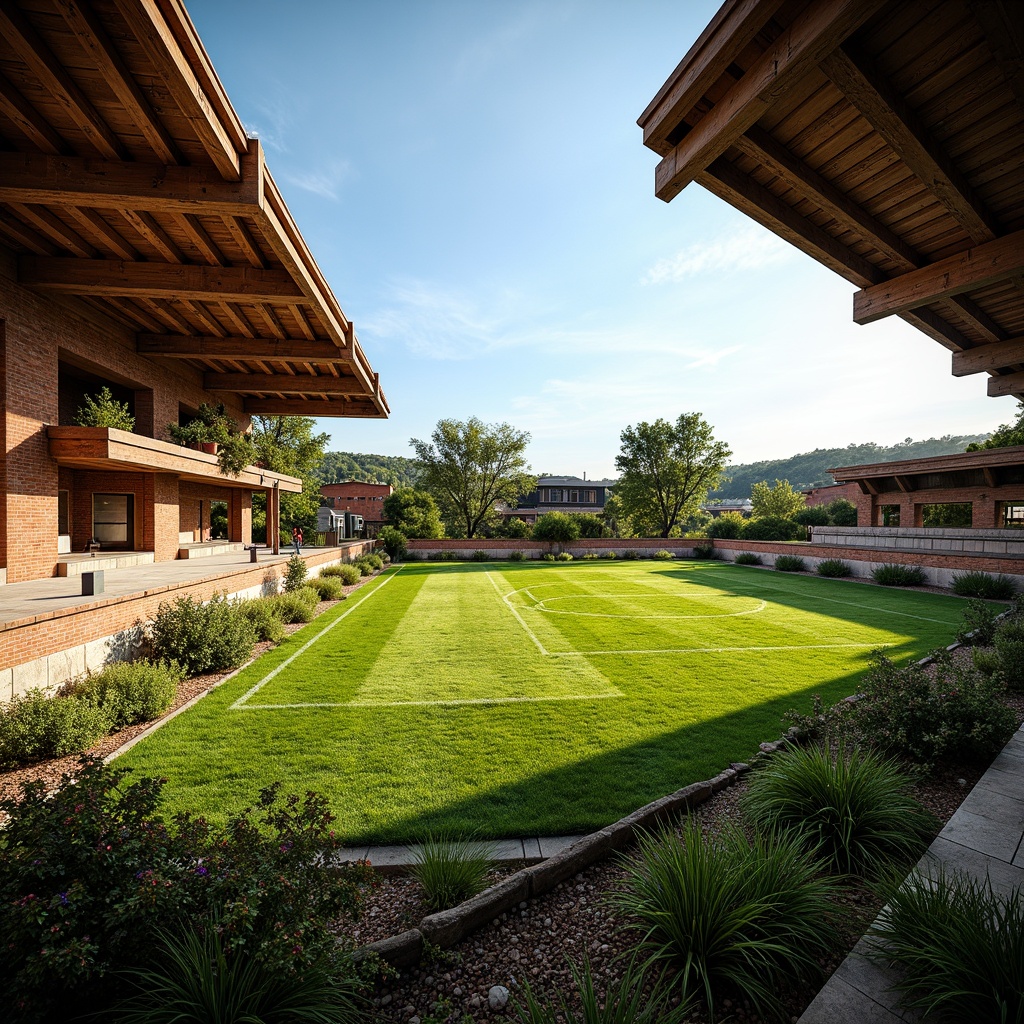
(983, 265)
(91, 220)
(174, 346)
(52, 227)
(117, 277)
(29, 121)
(1008, 384)
(151, 230)
(819, 29)
(365, 409)
(996, 356)
(201, 239)
(274, 383)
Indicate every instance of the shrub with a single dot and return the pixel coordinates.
(842, 512)
(348, 574)
(790, 563)
(748, 558)
(264, 614)
(663, 555)
(564, 556)
(812, 515)
(852, 812)
(104, 410)
(202, 637)
(769, 528)
(631, 554)
(375, 561)
(296, 606)
(727, 913)
(893, 574)
(981, 584)
(957, 946)
(985, 661)
(610, 555)
(451, 869)
(394, 542)
(954, 713)
(91, 874)
(548, 556)
(978, 622)
(131, 691)
(444, 556)
(727, 526)
(631, 1000)
(516, 556)
(34, 727)
(295, 574)
(481, 556)
(704, 551)
(327, 588)
(834, 568)
(514, 528)
(1009, 649)
(557, 527)
(363, 566)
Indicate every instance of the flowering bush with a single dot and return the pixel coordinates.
(90, 875)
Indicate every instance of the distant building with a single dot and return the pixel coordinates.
(742, 505)
(562, 494)
(831, 492)
(366, 500)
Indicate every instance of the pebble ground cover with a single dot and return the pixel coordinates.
(522, 699)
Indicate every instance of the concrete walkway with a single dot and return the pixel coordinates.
(984, 837)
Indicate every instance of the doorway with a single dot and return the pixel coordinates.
(113, 520)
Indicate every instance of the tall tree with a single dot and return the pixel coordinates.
(667, 470)
(414, 512)
(779, 500)
(1006, 435)
(287, 444)
(469, 466)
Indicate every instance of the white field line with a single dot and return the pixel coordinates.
(529, 632)
(720, 650)
(431, 703)
(238, 705)
(541, 606)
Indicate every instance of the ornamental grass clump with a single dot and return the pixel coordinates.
(729, 915)
(958, 949)
(348, 574)
(851, 811)
(451, 869)
(834, 568)
(297, 606)
(790, 563)
(892, 574)
(748, 558)
(328, 588)
(982, 584)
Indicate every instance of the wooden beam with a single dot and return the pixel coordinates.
(52, 227)
(1001, 24)
(157, 280)
(29, 121)
(154, 33)
(176, 346)
(867, 487)
(92, 220)
(983, 265)
(904, 483)
(731, 30)
(886, 110)
(109, 184)
(1008, 384)
(296, 407)
(30, 47)
(201, 239)
(153, 232)
(82, 20)
(283, 384)
(818, 30)
(990, 476)
(998, 355)
(21, 234)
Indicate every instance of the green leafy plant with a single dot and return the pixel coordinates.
(327, 588)
(630, 554)
(591, 556)
(516, 556)
(727, 526)
(978, 622)
(481, 556)
(364, 567)
(957, 946)
(296, 605)
(834, 568)
(263, 613)
(348, 574)
(769, 528)
(130, 691)
(451, 869)
(748, 558)
(812, 515)
(295, 574)
(564, 556)
(823, 723)
(663, 555)
(394, 541)
(630, 1000)
(790, 563)
(852, 811)
(703, 551)
(892, 574)
(610, 555)
(728, 913)
(103, 410)
(202, 637)
(982, 584)
(35, 726)
(1009, 648)
(547, 556)
(955, 711)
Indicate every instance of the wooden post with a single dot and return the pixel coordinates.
(275, 501)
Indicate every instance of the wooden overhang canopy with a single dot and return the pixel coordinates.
(990, 467)
(884, 138)
(128, 180)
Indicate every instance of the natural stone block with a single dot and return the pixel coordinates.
(402, 950)
(447, 927)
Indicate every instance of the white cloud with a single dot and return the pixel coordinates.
(749, 248)
(325, 182)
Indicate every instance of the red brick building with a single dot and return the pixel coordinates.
(144, 247)
(366, 500)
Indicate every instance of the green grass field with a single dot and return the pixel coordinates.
(524, 699)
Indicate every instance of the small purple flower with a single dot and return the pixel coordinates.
(201, 870)
(64, 901)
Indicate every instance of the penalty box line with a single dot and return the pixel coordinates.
(239, 705)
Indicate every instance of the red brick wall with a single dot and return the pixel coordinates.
(3, 448)
(986, 501)
(190, 494)
(823, 495)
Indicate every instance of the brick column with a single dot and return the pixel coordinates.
(985, 513)
(164, 515)
(4, 512)
(240, 516)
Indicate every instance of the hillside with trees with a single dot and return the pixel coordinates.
(386, 469)
(810, 469)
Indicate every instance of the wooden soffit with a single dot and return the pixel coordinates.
(881, 138)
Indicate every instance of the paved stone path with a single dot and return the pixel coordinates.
(985, 836)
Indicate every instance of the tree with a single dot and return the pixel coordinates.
(667, 470)
(727, 526)
(469, 466)
(557, 527)
(513, 528)
(393, 541)
(590, 525)
(842, 512)
(1004, 436)
(287, 444)
(779, 501)
(414, 512)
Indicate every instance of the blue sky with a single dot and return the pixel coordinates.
(471, 179)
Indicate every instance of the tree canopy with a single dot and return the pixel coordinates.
(1004, 436)
(397, 470)
(414, 513)
(287, 444)
(667, 470)
(467, 467)
(779, 500)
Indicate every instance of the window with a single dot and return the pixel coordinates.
(113, 519)
(63, 513)
(555, 494)
(574, 497)
(1013, 516)
(590, 497)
